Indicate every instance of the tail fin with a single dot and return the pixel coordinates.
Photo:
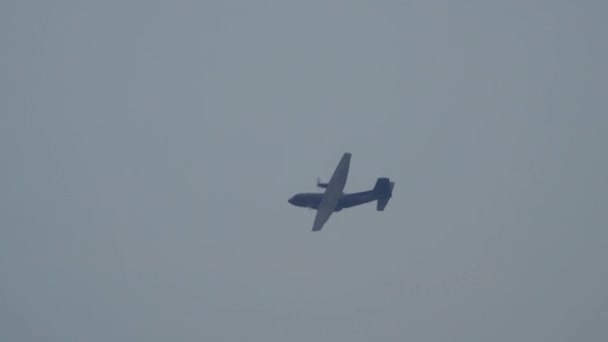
(384, 190)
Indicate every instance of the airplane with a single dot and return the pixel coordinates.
(333, 199)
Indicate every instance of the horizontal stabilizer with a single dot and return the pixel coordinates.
(382, 202)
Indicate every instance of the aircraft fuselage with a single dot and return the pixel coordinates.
(312, 200)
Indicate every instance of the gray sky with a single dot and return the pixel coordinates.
(149, 148)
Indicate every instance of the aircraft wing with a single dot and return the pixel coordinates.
(333, 192)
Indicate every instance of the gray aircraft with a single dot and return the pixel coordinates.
(333, 199)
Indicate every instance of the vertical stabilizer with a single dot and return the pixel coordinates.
(384, 191)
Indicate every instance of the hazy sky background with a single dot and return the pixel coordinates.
(148, 150)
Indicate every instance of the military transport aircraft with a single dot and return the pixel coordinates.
(333, 199)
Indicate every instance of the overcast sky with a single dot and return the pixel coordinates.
(148, 149)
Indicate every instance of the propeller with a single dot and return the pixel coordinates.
(321, 184)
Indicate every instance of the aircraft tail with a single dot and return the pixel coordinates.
(384, 190)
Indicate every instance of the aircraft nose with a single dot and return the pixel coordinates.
(291, 200)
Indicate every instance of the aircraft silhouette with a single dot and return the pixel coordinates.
(333, 199)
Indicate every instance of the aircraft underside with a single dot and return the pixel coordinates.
(346, 201)
(333, 199)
